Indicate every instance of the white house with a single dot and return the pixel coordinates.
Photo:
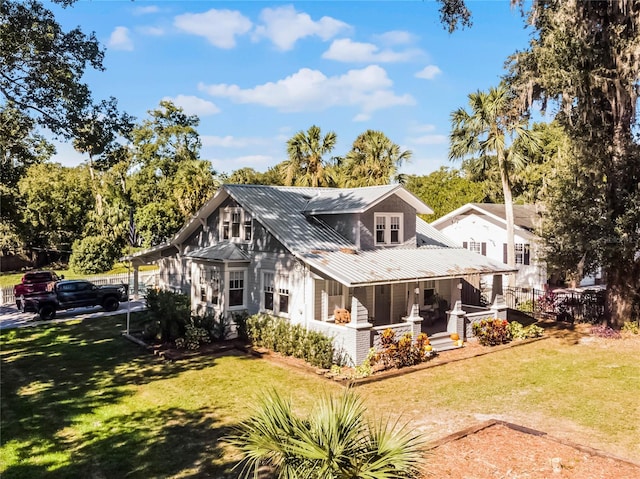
(304, 253)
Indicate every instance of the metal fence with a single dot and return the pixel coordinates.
(562, 305)
(146, 279)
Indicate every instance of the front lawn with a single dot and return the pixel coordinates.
(78, 400)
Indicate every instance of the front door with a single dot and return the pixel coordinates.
(382, 304)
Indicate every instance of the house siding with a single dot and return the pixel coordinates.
(393, 204)
(473, 227)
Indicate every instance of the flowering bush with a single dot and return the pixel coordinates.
(404, 351)
(491, 332)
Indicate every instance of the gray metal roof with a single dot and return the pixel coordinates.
(223, 251)
(400, 265)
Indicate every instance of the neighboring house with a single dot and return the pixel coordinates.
(482, 228)
(308, 254)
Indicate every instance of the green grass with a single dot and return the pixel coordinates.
(11, 279)
(78, 400)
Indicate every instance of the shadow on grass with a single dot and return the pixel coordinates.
(142, 445)
(54, 375)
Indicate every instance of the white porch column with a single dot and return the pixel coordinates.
(455, 323)
(499, 307)
(360, 342)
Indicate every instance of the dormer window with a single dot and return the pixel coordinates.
(236, 225)
(388, 228)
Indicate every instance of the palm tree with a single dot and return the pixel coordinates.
(373, 160)
(487, 129)
(334, 442)
(305, 166)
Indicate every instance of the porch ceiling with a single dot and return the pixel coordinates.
(395, 265)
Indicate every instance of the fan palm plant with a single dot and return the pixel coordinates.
(306, 166)
(334, 442)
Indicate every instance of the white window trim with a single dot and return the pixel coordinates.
(280, 281)
(227, 278)
(227, 214)
(387, 231)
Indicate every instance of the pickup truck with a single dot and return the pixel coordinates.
(33, 283)
(69, 294)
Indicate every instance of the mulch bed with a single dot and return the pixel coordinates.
(497, 449)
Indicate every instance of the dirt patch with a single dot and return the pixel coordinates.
(501, 450)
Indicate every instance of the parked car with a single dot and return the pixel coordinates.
(34, 282)
(69, 294)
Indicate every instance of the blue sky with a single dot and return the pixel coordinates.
(257, 72)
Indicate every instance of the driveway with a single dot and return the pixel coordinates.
(12, 317)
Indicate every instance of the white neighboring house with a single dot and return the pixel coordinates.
(482, 228)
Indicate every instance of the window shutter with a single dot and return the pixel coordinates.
(527, 255)
(484, 249)
(504, 253)
(465, 245)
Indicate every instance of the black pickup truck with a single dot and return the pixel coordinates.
(74, 293)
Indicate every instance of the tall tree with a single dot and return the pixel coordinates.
(488, 128)
(585, 58)
(306, 166)
(445, 190)
(41, 66)
(373, 160)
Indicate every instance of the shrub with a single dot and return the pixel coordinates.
(403, 352)
(240, 319)
(518, 331)
(169, 312)
(631, 327)
(92, 255)
(491, 332)
(278, 335)
(526, 306)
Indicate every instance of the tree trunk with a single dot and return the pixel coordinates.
(508, 211)
(623, 290)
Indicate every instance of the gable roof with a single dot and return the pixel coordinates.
(290, 214)
(524, 216)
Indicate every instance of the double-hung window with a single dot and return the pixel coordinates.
(388, 228)
(268, 289)
(209, 284)
(236, 224)
(523, 253)
(275, 292)
(236, 288)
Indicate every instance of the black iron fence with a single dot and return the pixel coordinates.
(563, 305)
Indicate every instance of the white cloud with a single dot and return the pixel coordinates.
(228, 165)
(284, 26)
(193, 105)
(429, 72)
(430, 140)
(346, 50)
(310, 90)
(231, 141)
(426, 128)
(140, 10)
(120, 40)
(219, 27)
(396, 37)
(151, 31)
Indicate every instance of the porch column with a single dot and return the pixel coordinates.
(499, 307)
(457, 318)
(360, 343)
(415, 319)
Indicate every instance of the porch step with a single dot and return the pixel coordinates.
(442, 342)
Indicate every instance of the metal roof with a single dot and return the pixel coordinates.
(524, 216)
(288, 213)
(400, 265)
(224, 251)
